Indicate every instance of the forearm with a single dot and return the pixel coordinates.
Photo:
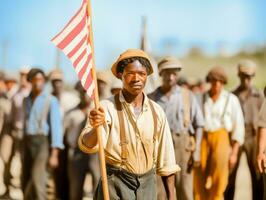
(235, 148)
(199, 134)
(169, 185)
(55, 152)
(261, 140)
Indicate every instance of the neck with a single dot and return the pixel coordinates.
(135, 100)
(56, 94)
(35, 94)
(167, 89)
(214, 95)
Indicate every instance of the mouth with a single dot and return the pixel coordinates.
(136, 86)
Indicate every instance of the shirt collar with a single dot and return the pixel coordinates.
(145, 103)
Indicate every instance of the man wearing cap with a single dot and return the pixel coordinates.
(134, 149)
(223, 134)
(261, 147)
(185, 120)
(13, 139)
(251, 100)
(43, 136)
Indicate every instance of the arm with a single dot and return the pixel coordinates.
(56, 126)
(169, 185)
(238, 131)
(88, 142)
(261, 159)
(198, 123)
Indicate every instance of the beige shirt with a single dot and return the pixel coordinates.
(232, 121)
(140, 145)
(262, 115)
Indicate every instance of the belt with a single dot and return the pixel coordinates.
(118, 171)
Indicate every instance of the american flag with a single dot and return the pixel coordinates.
(74, 41)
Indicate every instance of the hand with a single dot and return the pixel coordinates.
(97, 117)
(232, 161)
(53, 161)
(261, 159)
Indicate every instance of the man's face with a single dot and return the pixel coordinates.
(134, 77)
(169, 77)
(38, 82)
(57, 85)
(216, 86)
(245, 80)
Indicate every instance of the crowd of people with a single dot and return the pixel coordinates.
(196, 137)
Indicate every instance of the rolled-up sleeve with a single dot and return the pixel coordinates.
(262, 116)
(88, 129)
(56, 125)
(166, 163)
(238, 129)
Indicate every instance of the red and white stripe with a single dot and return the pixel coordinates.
(73, 41)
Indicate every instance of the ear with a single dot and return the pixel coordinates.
(119, 75)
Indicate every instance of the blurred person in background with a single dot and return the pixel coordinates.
(251, 100)
(261, 147)
(11, 85)
(116, 87)
(43, 136)
(186, 122)
(79, 163)
(15, 127)
(5, 107)
(224, 132)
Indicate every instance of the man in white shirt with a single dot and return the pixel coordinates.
(223, 134)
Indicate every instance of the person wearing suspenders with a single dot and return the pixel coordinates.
(136, 135)
(186, 123)
(224, 132)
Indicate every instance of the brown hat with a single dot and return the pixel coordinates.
(56, 75)
(217, 73)
(131, 53)
(247, 67)
(169, 62)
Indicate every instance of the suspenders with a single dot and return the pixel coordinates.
(123, 140)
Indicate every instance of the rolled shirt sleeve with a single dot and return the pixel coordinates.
(56, 124)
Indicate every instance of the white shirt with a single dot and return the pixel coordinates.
(232, 121)
(262, 115)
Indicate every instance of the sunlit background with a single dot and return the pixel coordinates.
(219, 31)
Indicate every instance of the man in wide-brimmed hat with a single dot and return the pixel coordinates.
(223, 134)
(137, 139)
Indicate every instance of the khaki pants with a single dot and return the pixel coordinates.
(215, 151)
(127, 186)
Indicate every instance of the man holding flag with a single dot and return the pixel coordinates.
(134, 149)
(136, 135)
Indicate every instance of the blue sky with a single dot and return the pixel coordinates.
(173, 26)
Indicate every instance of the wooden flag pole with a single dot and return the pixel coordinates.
(97, 105)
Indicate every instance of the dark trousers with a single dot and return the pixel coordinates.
(249, 148)
(35, 175)
(124, 185)
(79, 164)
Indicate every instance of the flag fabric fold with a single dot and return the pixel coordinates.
(74, 41)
